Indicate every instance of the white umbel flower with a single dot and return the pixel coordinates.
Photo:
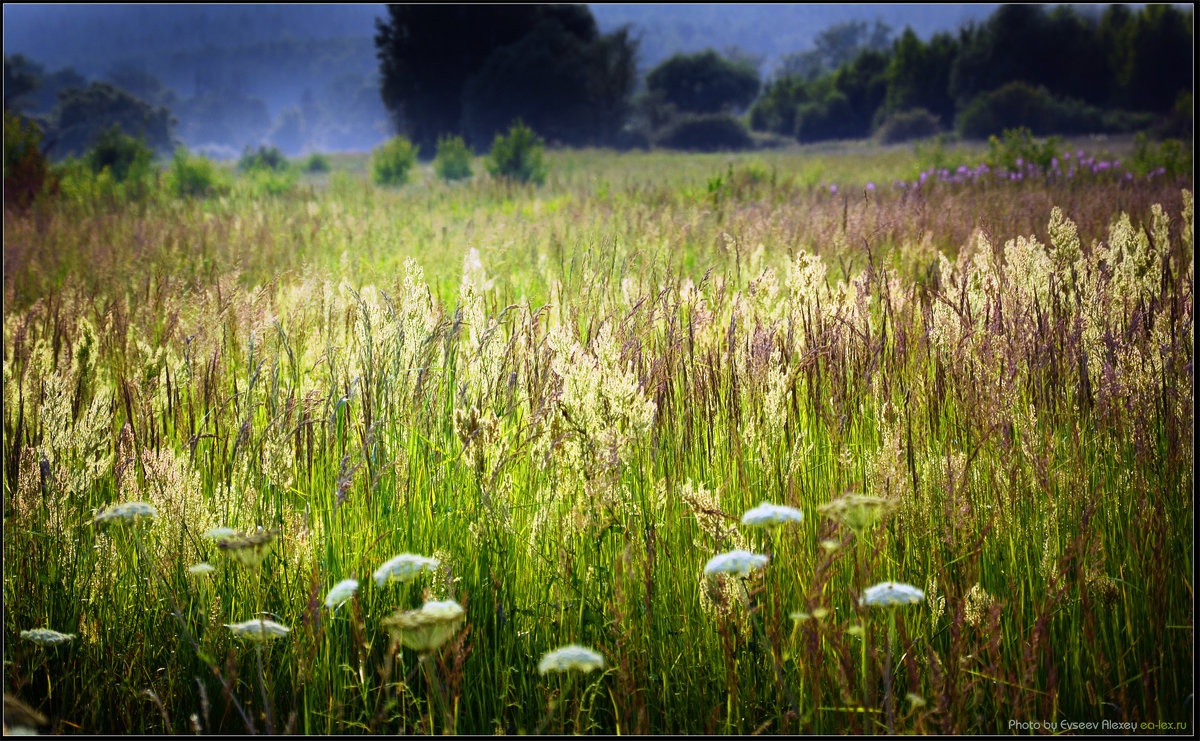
(201, 569)
(770, 515)
(570, 657)
(427, 628)
(404, 567)
(892, 593)
(341, 592)
(129, 512)
(47, 637)
(737, 562)
(259, 630)
(220, 533)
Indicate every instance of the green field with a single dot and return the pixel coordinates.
(568, 395)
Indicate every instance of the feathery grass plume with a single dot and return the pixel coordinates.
(570, 657)
(18, 715)
(979, 602)
(260, 630)
(737, 562)
(341, 592)
(201, 569)
(129, 513)
(771, 515)
(249, 550)
(427, 628)
(47, 637)
(403, 568)
(858, 511)
(892, 593)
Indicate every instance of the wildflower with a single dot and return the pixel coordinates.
(341, 592)
(915, 700)
(249, 550)
(858, 511)
(47, 637)
(768, 515)
(891, 593)
(818, 614)
(427, 628)
(128, 513)
(735, 562)
(201, 569)
(404, 567)
(570, 657)
(259, 630)
(218, 533)
(831, 545)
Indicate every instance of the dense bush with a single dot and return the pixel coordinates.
(317, 162)
(264, 158)
(706, 132)
(519, 155)
(194, 175)
(1018, 147)
(830, 118)
(27, 173)
(126, 157)
(1019, 104)
(453, 160)
(916, 123)
(391, 161)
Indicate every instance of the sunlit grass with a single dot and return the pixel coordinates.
(675, 413)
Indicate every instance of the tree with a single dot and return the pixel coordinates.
(83, 113)
(429, 54)
(705, 82)
(22, 78)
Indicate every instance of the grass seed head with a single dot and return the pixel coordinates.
(249, 550)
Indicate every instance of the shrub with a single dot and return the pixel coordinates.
(917, 123)
(126, 157)
(317, 162)
(1018, 147)
(1170, 157)
(518, 156)
(1019, 104)
(266, 182)
(392, 160)
(830, 118)
(27, 173)
(453, 160)
(265, 158)
(706, 132)
(194, 175)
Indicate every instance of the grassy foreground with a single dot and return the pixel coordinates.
(568, 396)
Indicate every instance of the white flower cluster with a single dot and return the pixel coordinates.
(570, 657)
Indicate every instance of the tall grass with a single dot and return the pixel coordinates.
(568, 395)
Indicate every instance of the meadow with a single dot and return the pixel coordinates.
(565, 403)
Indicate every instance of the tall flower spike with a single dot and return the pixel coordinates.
(770, 515)
(737, 562)
(570, 657)
(403, 568)
(891, 594)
